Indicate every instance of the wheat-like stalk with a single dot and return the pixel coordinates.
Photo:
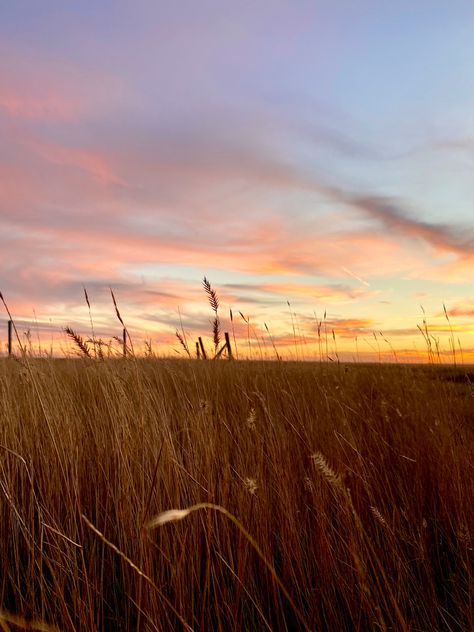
(211, 294)
(183, 343)
(252, 418)
(81, 344)
(214, 303)
(378, 516)
(326, 470)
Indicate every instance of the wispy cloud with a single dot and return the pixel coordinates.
(444, 237)
(217, 139)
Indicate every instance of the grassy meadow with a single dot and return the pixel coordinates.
(349, 489)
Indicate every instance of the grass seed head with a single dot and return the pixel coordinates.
(172, 515)
(326, 470)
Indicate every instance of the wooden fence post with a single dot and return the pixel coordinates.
(229, 348)
(10, 334)
(198, 351)
(203, 351)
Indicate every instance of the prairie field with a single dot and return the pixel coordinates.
(319, 496)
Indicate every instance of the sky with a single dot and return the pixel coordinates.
(312, 159)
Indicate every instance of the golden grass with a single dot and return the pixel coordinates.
(329, 498)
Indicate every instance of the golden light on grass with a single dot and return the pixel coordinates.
(158, 494)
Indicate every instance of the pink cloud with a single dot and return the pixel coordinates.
(37, 87)
(90, 162)
(37, 107)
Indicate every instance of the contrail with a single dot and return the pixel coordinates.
(355, 277)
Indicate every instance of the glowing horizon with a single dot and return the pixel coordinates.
(297, 152)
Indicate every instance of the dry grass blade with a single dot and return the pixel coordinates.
(7, 309)
(173, 515)
(136, 569)
(246, 320)
(374, 532)
(116, 308)
(86, 297)
(7, 619)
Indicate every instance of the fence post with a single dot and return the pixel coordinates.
(198, 351)
(10, 334)
(203, 352)
(229, 348)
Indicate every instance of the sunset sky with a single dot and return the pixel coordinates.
(316, 152)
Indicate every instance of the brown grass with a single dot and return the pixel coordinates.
(353, 488)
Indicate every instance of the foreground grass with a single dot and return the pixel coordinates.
(351, 492)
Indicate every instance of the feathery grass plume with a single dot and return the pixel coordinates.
(119, 341)
(326, 470)
(83, 348)
(99, 345)
(252, 418)
(182, 342)
(378, 516)
(211, 293)
(214, 303)
(250, 485)
(178, 514)
(149, 353)
(171, 515)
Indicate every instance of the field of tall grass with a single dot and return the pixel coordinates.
(320, 496)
